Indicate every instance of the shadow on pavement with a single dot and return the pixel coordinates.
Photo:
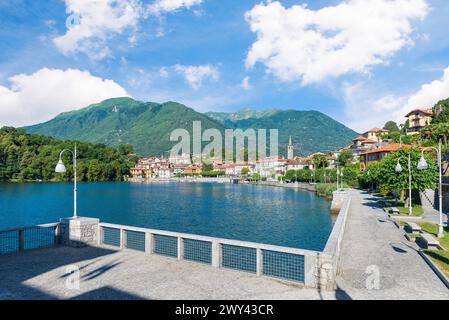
(16, 269)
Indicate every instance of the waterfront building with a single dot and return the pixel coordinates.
(375, 134)
(183, 159)
(362, 144)
(418, 119)
(379, 154)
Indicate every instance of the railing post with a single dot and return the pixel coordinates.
(21, 240)
(259, 262)
(57, 234)
(148, 243)
(180, 248)
(216, 254)
(100, 235)
(122, 239)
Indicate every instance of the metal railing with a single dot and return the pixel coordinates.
(27, 238)
(260, 259)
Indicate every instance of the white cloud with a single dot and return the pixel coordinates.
(365, 108)
(300, 44)
(245, 83)
(99, 20)
(195, 75)
(164, 6)
(40, 96)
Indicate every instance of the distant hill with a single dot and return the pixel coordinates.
(243, 114)
(311, 131)
(147, 126)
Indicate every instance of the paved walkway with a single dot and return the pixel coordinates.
(371, 239)
(106, 274)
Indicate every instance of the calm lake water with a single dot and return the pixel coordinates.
(262, 214)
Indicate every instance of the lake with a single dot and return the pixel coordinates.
(263, 214)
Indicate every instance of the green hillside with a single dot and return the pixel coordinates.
(311, 131)
(147, 126)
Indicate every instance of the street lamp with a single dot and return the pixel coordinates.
(422, 165)
(399, 170)
(341, 181)
(60, 168)
(338, 174)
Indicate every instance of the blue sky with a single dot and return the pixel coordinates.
(199, 52)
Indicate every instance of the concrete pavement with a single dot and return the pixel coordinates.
(373, 245)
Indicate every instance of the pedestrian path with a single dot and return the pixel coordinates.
(377, 262)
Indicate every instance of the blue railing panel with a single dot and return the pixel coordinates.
(283, 265)
(39, 238)
(135, 240)
(165, 245)
(198, 251)
(239, 258)
(9, 242)
(111, 236)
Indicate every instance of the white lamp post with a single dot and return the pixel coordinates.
(422, 165)
(399, 170)
(341, 182)
(338, 174)
(60, 168)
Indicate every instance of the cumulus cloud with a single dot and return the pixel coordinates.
(245, 83)
(365, 108)
(301, 44)
(164, 6)
(194, 75)
(38, 97)
(92, 23)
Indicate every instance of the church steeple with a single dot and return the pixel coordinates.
(290, 149)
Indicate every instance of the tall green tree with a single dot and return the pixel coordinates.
(391, 126)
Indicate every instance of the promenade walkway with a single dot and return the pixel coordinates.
(373, 244)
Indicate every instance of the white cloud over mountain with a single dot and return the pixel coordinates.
(38, 97)
(367, 108)
(301, 44)
(194, 75)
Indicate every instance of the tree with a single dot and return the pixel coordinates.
(393, 181)
(441, 112)
(245, 171)
(207, 167)
(320, 161)
(391, 126)
(345, 158)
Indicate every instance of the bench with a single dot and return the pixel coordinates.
(413, 227)
(394, 211)
(429, 241)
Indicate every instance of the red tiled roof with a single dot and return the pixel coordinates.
(361, 138)
(377, 130)
(425, 111)
(390, 148)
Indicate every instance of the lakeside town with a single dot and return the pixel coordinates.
(370, 147)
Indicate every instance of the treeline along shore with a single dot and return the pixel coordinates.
(32, 157)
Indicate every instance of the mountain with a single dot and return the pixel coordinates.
(311, 131)
(243, 114)
(147, 126)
